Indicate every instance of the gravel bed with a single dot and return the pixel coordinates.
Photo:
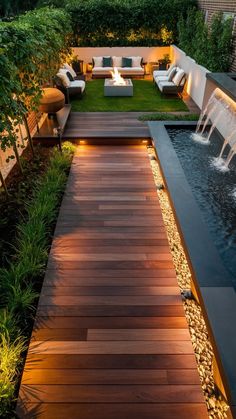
(217, 407)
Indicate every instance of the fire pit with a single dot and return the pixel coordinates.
(117, 85)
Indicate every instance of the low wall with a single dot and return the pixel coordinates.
(148, 54)
(196, 82)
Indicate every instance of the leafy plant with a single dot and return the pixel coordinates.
(210, 45)
(118, 22)
(10, 360)
(42, 40)
(168, 117)
(18, 281)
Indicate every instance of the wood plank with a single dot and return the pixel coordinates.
(78, 281)
(113, 410)
(110, 376)
(68, 300)
(109, 290)
(110, 337)
(174, 314)
(129, 362)
(115, 394)
(137, 334)
(110, 347)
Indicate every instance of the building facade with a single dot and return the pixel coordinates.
(228, 7)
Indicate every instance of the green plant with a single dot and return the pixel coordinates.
(42, 39)
(165, 60)
(8, 324)
(119, 22)
(210, 45)
(10, 360)
(168, 117)
(18, 281)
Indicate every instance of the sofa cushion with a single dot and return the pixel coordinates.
(161, 78)
(178, 77)
(63, 77)
(117, 61)
(78, 83)
(126, 62)
(131, 70)
(106, 62)
(171, 74)
(97, 61)
(163, 84)
(70, 69)
(102, 70)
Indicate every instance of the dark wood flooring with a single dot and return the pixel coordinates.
(110, 339)
(105, 125)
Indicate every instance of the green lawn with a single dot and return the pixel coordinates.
(146, 98)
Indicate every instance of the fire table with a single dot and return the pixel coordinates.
(113, 88)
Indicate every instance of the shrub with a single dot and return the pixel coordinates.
(10, 360)
(168, 117)
(209, 45)
(118, 22)
(32, 49)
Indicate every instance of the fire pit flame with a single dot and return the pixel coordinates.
(116, 77)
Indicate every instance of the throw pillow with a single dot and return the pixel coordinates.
(69, 76)
(97, 61)
(106, 62)
(178, 77)
(126, 62)
(70, 69)
(136, 61)
(172, 74)
(64, 79)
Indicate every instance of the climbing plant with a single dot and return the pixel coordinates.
(32, 48)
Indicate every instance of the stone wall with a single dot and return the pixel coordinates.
(228, 6)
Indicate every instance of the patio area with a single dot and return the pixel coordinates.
(116, 292)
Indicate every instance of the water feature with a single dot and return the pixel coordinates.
(214, 191)
(220, 109)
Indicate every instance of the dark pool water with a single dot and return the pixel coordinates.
(215, 191)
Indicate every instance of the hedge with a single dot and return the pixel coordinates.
(131, 22)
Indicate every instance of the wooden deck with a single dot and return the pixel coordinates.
(106, 125)
(110, 339)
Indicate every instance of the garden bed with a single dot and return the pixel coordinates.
(147, 98)
(23, 271)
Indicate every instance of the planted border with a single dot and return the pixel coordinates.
(168, 117)
(20, 282)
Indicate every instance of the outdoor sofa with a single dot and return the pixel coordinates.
(69, 83)
(171, 81)
(127, 66)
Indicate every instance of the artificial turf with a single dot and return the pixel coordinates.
(146, 98)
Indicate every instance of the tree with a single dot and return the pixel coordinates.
(209, 45)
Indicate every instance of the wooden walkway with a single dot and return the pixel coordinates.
(106, 125)
(110, 339)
